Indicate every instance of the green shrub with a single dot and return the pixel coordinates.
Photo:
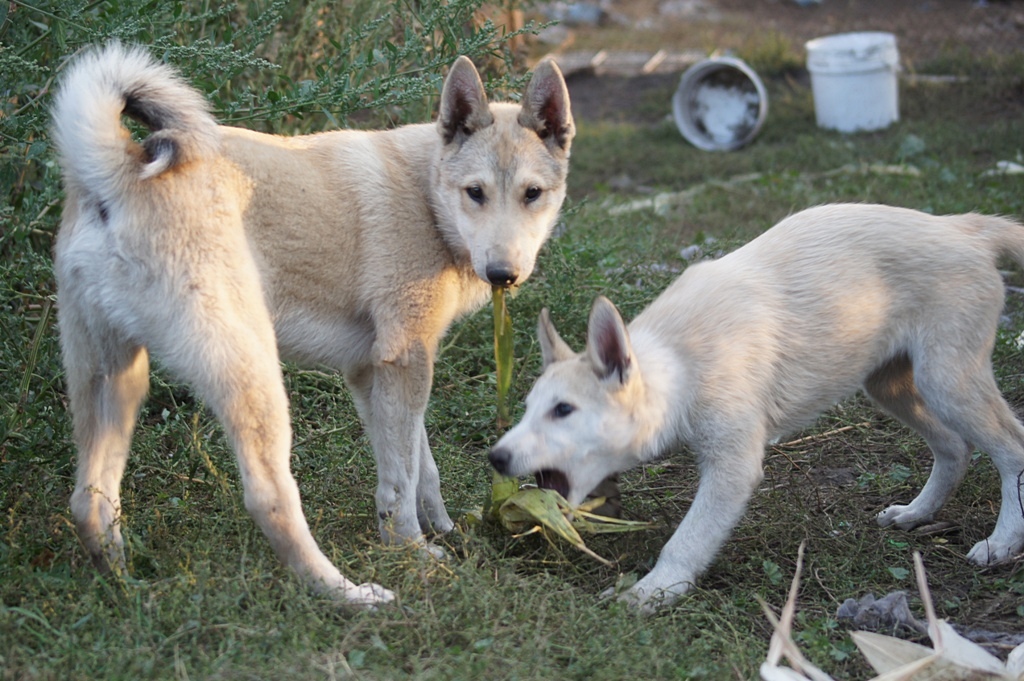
(281, 66)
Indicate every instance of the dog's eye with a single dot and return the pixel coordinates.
(562, 409)
(475, 192)
(532, 194)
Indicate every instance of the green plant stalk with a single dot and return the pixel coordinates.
(502, 353)
(33, 358)
(502, 487)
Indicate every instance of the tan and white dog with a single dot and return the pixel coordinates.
(219, 250)
(745, 349)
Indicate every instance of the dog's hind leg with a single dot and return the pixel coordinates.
(961, 390)
(106, 381)
(892, 387)
(224, 345)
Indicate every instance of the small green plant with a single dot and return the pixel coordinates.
(772, 571)
(503, 353)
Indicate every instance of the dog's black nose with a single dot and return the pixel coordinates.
(501, 274)
(499, 458)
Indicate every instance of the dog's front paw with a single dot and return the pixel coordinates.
(991, 552)
(110, 560)
(905, 517)
(648, 602)
(649, 595)
(436, 523)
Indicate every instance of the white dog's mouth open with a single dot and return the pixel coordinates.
(556, 480)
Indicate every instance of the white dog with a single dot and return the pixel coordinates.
(218, 249)
(748, 348)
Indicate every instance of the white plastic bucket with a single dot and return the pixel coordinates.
(720, 104)
(853, 78)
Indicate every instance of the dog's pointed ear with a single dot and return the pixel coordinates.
(546, 108)
(464, 108)
(608, 346)
(552, 347)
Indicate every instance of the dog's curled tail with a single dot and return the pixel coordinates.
(97, 152)
(1005, 235)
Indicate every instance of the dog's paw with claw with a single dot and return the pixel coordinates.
(368, 596)
(904, 517)
(647, 603)
(434, 551)
(989, 552)
(645, 597)
(436, 525)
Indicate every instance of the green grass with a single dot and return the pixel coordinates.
(207, 599)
